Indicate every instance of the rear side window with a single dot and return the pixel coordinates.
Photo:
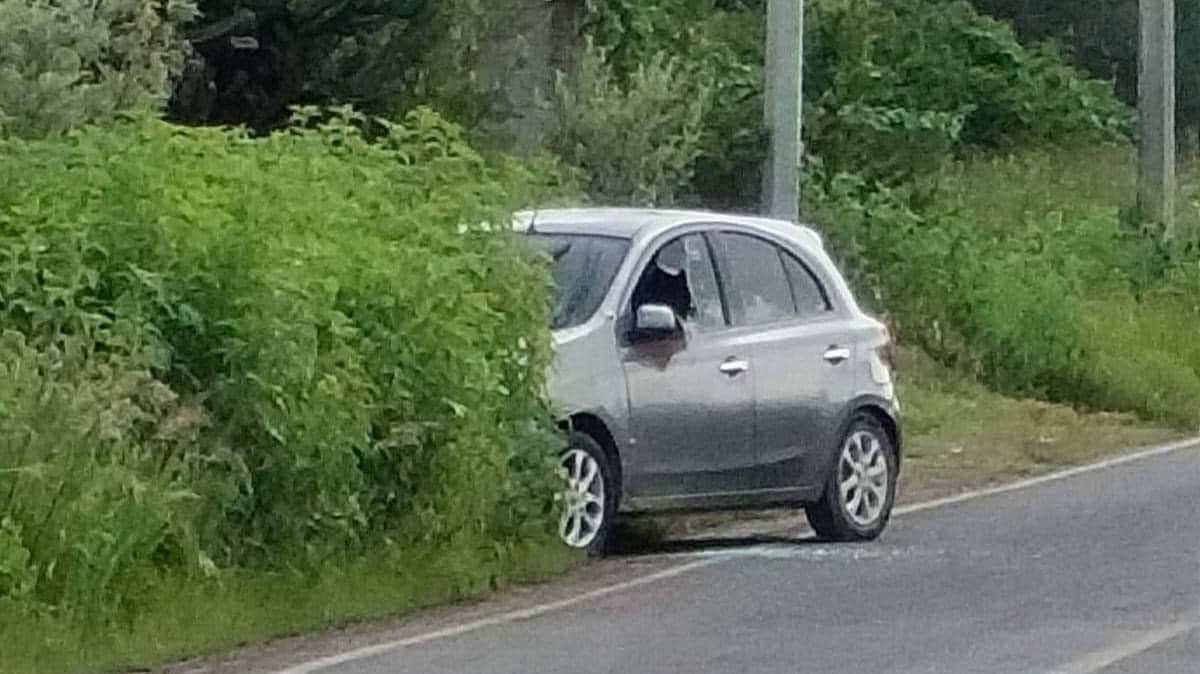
(811, 299)
(756, 282)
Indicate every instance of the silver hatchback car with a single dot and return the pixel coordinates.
(708, 362)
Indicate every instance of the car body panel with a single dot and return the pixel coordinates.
(692, 425)
(798, 397)
(688, 435)
(583, 381)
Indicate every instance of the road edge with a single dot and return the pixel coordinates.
(316, 665)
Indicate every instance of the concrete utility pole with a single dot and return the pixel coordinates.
(784, 109)
(1156, 113)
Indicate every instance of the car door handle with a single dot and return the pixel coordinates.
(836, 355)
(733, 367)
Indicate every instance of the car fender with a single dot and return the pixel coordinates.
(889, 410)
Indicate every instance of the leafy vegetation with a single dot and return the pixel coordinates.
(899, 87)
(1005, 262)
(384, 56)
(1020, 269)
(250, 62)
(222, 353)
(66, 63)
(1101, 37)
(177, 617)
(636, 142)
(236, 367)
(893, 89)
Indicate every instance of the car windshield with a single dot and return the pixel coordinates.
(584, 267)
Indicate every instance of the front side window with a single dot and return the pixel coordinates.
(702, 281)
(583, 271)
(757, 284)
(681, 275)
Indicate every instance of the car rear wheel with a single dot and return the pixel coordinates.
(588, 501)
(861, 488)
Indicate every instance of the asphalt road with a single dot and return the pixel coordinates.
(1097, 573)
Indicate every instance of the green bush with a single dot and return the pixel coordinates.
(1022, 271)
(897, 86)
(726, 50)
(637, 142)
(274, 352)
(989, 264)
(65, 63)
(893, 89)
(1146, 357)
(718, 47)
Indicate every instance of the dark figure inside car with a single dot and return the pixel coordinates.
(665, 282)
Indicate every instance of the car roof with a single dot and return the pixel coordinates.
(628, 223)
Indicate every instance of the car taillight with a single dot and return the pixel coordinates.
(887, 352)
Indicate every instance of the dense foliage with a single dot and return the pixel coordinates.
(637, 142)
(219, 351)
(66, 63)
(251, 61)
(225, 355)
(1024, 271)
(1011, 269)
(1102, 36)
(717, 47)
(893, 89)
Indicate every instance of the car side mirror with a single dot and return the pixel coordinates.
(655, 321)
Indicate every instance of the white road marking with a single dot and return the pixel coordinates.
(319, 664)
(807, 553)
(1161, 450)
(500, 619)
(1093, 663)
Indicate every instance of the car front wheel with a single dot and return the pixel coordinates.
(588, 501)
(861, 488)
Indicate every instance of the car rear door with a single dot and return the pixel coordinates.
(802, 349)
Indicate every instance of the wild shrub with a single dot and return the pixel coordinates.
(893, 90)
(67, 62)
(1022, 271)
(636, 140)
(1146, 357)
(898, 86)
(718, 47)
(278, 352)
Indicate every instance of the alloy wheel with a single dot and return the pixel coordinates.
(863, 478)
(583, 499)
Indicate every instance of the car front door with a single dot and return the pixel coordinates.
(691, 396)
(802, 351)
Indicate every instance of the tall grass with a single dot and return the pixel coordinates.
(1029, 272)
(174, 617)
(223, 355)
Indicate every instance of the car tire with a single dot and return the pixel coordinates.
(861, 488)
(588, 503)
